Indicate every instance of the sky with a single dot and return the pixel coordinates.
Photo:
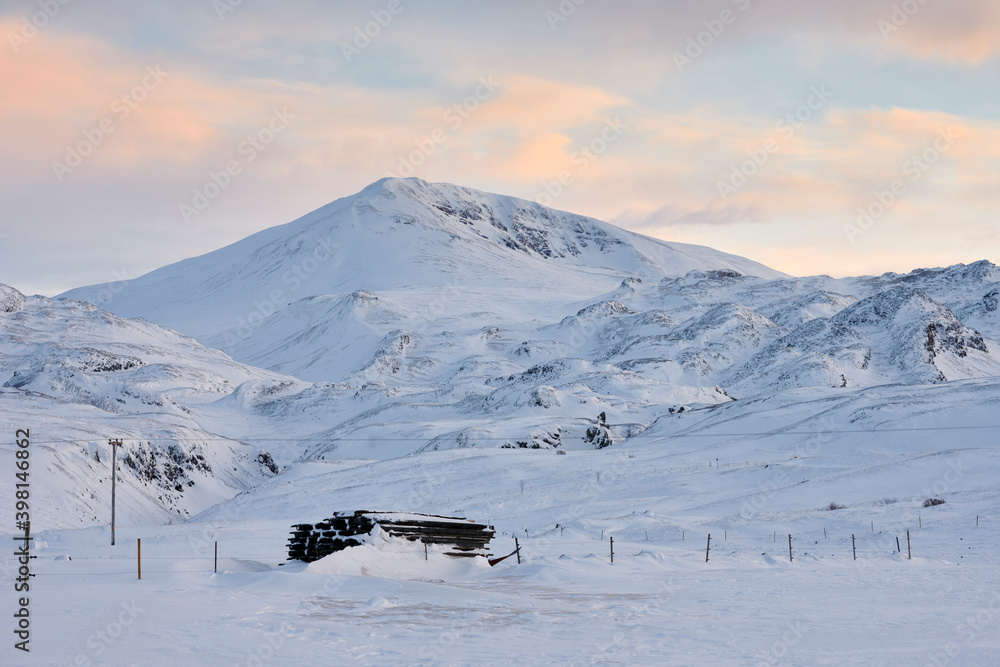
(846, 138)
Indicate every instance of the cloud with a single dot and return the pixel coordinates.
(674, 215)
(961, 31)
(505, 128)
(527, 104)
(966, 32)
(77, 90)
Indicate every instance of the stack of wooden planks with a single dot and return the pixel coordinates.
(462, 538)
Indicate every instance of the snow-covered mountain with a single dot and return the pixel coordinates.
(421, 285)
(401, 234)
(414, 317)
(900, 335)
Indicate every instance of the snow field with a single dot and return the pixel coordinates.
(659, 603)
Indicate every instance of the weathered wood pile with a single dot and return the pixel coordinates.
(309, 542)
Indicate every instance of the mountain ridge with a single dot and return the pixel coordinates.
(415, 233)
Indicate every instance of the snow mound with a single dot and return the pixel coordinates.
(389, 557)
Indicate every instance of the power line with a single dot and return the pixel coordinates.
(639, 436)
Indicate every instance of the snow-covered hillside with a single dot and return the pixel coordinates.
(758, 476)
(76, 376)
(416, 316)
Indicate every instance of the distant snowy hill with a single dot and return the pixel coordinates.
(899, 335)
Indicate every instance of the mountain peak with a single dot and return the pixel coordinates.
(392, 186)
(406, 233)
(885, 306)
(10, 299)
(982, 271)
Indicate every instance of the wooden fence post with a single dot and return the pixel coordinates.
(138, 554)
(708, 546)
(216, 557)
(612, 549)
(854, 548)
(789, 548)
(425, 551)
(517, 550)
(909, 554)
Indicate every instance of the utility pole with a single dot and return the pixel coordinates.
(114, 469)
